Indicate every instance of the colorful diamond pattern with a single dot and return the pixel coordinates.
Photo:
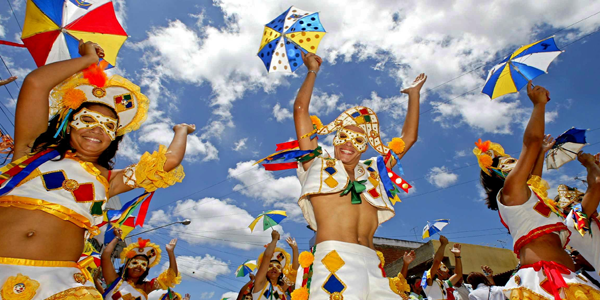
(330, 170)
(333, 284)
(332, 261)
(53, 180)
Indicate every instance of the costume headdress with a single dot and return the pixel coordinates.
(142, 247)
(282, 257)
(93, 86)
(486, 152)
(567, 196)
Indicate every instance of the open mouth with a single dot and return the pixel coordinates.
(93, 140)
(344, 151)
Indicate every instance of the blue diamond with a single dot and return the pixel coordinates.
(355, 114)
(370, 169)
(334, 284)
(330, 170)
(53, 180)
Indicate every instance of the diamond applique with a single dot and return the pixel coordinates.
(54, 180)
(332, 261)
(331, 182)
(334, 285)
(330, 170)
(373, 193)
(84, 193)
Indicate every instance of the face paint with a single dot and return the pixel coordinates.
(134, 263)
(358, 140)
(87, 119)
(275, 266)
(507, 164)
(443, 268)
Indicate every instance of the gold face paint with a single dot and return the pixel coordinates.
(507, 164)
(138, 262)
(358, 140)
(87, 119)
(275, 266)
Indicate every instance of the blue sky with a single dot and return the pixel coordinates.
(196, 60)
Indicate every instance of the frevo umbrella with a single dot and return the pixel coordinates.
(525, 64)
(293, 31)
(270, 219)
(566, 148)
(437, 226)
(246, 268)
(53, 28)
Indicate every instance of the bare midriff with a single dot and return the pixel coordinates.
(547, 247)
(340, 220)
(37, 235)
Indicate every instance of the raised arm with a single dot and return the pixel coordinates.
(437, 259)
(31, 117)
(108, 270)
(410, 129)
(591, 198)
(302, 120)
(547, 144)
(489, 274)
(7, 80)
(261, 274)
(515, 191)
(292, 242)
(407, 258)
(458, 274)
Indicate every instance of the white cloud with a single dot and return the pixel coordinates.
(322, 103)
(210, 224)
(207, 295)
(255, 182)
(230, 295)
(395, 106)
(441, 177)
(205, 268)
(240, 145)
(461, 153)
(128, 149)
(551, 116)
(281, 114)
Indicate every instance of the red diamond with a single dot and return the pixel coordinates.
(374, 193)
(364, 111)
(84, 193)
(542, 208)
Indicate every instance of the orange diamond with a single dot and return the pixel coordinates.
(332, 261)
(331, 182)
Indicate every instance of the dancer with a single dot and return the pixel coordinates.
(137, 259)
(53, 193)
(515, 189)
(274, 277)
(439, 283)
(344, 198)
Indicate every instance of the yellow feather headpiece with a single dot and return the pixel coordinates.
(486, 152)
(142, 247)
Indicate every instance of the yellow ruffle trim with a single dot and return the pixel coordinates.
(572, 292)
(168, 279)
(381, 258)
(51, 208)
(399, 286)
(19, 287)
(150, 173)
(78, 293)
(300, 294)
(540, 187)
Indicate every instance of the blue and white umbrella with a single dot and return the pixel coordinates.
(437, 226)
(566, 148)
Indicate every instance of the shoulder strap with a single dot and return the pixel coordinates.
(20, 171)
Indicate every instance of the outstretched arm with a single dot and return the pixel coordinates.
(301, 105)
(515, 191)
(547, 144)
(108, 270)
(457, 276)
(406, 260)
(8, 80)
(261, 274)
(489, 274)
(292, 242)
(31, 117)
(410, 129)
(437, 259)
(591, 198)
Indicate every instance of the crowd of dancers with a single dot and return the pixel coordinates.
(53, 194)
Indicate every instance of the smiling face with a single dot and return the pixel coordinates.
(443, 272)
(93, 128)
(349, 143)
(137, 266)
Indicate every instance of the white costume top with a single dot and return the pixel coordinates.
(124, 290)
(438, 290)
(70, 189)
(589, 244)
(269, 292)
(531, 220)
(327, 176)
(484, 292)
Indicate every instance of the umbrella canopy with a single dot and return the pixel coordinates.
(293, 31)
(566, 148)
(525, 64)
(270, 219)
(246, 268)
(53, 28)
(437, 226)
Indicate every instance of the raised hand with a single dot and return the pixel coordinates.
(171, 245)
(275, 235)
(537, 94)
(90, 49)
(186, 297)
(487, 270)
(456, 250)
(547, 143)
(251, 276)
(8, 80)
(312, 61)
(586, 159)
(292, 242)
(118, 233)
(188, 127)
(409, 256)
(416, 86)
(443, 240)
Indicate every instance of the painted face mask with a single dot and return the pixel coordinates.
(507, 164)
(443, 268)
(134, 263)
(275, 266)
(358, 140)
(87, 119)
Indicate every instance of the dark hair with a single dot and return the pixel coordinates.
(475, 278)
(62, 143)
(492, 184)
(123, 270)
(412, 279)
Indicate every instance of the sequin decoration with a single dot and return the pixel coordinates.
(99, 92)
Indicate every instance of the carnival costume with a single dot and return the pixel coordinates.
(439, 289)
(276, 292)
(124, 289)
(71, 189)
(337, 269)
(526, 222)
(584, 229)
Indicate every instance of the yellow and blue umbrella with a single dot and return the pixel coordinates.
(566, 148)
(246, 268)
(525, 64)
(293, 31)
(437, 226)
(270, 219)
(53, 28)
